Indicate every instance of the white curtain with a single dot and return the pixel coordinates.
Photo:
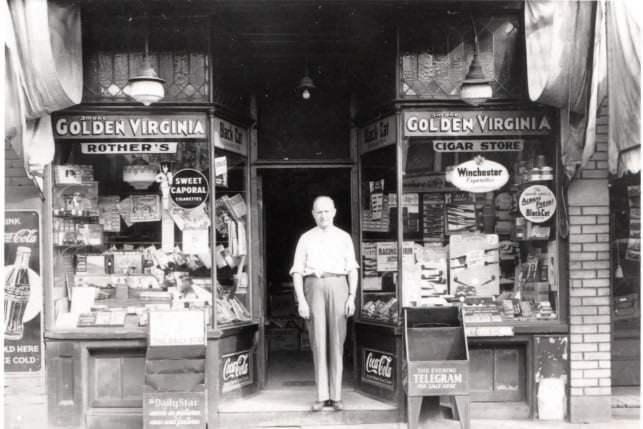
(43, 73)
(624, 85)
(561, 37)
(578, 54)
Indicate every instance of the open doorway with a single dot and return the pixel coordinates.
(288, 195)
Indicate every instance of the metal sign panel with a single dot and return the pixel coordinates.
(236, 370)
(433, 378)
(230, 137)
(118, 127)
(378, 368)
(476, 123)
(378, 134)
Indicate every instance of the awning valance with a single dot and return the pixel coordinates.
(577, 53)
(43, 73)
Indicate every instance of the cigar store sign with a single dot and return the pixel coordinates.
(378, 134)
(476, 123)
(235, 371)
(478, 175)
(230, 137)
(132, 125)
(537, 203)
(378, 368)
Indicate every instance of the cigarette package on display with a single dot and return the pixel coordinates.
(73, 174)
(90, 234)
(76, 199)
(128, 262)
(433, 216)
(474, 268)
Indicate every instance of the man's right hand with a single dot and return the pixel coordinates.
(304, 310)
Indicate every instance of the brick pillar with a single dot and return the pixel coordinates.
(589, 294)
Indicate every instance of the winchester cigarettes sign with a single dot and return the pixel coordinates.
(478, 175)
(236, 371)
(112, 126)
(378, 368)
(476, 123)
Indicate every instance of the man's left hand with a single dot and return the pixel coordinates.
(349, 307)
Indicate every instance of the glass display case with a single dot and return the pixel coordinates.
(231, 251)
(379, 284)
(480, 217)
(130, 231)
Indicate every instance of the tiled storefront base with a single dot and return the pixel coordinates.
(583, 409)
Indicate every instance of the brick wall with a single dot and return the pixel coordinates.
(589, 280)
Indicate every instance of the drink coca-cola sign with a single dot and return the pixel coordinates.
(236, 370)
(378, 367)
(21, 236)
(23, 298)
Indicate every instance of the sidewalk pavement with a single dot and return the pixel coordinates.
(615, 423)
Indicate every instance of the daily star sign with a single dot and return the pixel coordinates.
(478, 175)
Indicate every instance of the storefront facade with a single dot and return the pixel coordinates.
(194, 203)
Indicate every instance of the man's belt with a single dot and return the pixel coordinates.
(327, 275)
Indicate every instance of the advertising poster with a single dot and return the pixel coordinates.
(378, 368)
(23, 292)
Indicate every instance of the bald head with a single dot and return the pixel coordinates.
(324, 211)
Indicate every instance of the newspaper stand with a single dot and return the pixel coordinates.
(437, 364)
(174, 394)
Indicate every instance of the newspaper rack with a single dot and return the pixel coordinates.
(437, 360)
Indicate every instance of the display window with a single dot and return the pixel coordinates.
(379, 285)
(132, 226)
(476, 221)
(231, 251)
(479, 216)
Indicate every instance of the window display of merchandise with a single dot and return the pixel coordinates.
(131, 233)
(471, 236)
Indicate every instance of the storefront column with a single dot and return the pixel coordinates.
(589, 296)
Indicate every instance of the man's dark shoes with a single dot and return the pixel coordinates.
(318, 405)
(338, 405)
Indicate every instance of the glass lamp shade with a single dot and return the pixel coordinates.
(306, 85)
(146, 87)
(475, 88)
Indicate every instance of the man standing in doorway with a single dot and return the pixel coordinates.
(324, 275)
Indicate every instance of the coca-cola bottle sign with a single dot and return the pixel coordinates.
(21, 236)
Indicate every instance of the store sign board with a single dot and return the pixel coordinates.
(127, 148)
(489, 331)
(236, 370)
(230, 137)
(378, 368)
(189, 188)
(172, 410)
(537, 203)
(434, 378)
(117, 126)
(476, 123)
(177, 328)
(23, 354)
(508, 145)
(378, 134)
(478, 175)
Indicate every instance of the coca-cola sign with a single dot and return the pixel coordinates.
(21, 236)
(236, 370)
(378, 367)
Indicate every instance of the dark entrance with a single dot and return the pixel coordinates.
(287, 197)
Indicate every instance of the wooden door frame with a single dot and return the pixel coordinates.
(258, 246)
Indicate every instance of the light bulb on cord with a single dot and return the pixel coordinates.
(305, 94)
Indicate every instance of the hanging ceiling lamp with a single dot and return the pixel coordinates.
(475, 88)
(306, 84)
(146, 87)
